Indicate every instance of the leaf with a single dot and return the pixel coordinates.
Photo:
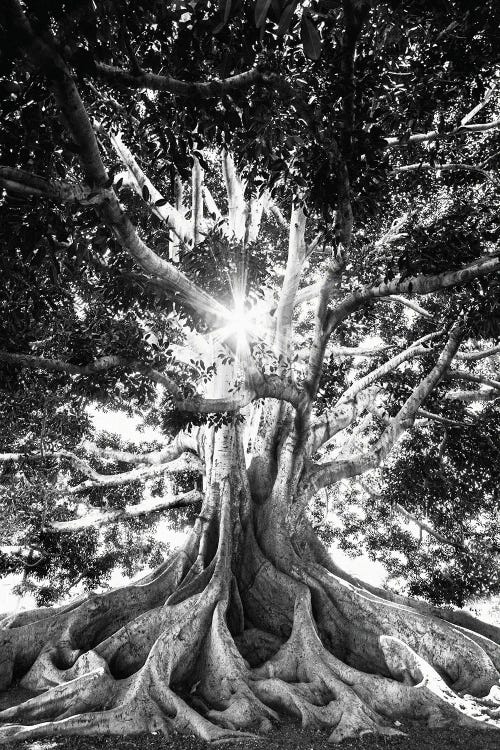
(161, 202)
(309, 35)
(225, 17)
(145, 192)
(261, 10)
(286, 18)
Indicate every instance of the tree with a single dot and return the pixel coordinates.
(251, 617)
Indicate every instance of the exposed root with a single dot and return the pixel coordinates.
(350, 662)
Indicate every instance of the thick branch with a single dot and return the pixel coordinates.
(472, 378)
(45, 58)
(478, 354)
(96, 517)
(295, 260)
(103, 364)
(207, 89)
(25, 183)
(344, 413)
(156, 202)
(424, 284)
(488, 394)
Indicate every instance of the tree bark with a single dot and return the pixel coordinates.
(249, 620)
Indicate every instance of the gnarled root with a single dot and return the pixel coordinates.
(351, 662)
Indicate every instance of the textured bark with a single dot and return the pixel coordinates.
(245, 623)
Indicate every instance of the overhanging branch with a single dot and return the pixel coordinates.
(96, 517)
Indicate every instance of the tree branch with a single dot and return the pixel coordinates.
(447, 167)
(344, 413)
(185, 462)
(471, 378)
(25, 183)
(476, 354)
(183, 442)
(96, 517)
(103, 364)
(207, 89)
(323, 475)
(424, 284)
(196, 200)
(44, 57)
(295, 260)
(488, 394)
(435, 135)
(423, 525)
(155, 201)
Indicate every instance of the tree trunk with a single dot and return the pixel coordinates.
(251, 619)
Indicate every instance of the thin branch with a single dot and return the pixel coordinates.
(323, 475)
(196, 200)
(96, 517)
(359, 351)
(423, 525)
(415, 350)
(183, 442)
(435, 135)
(447, 167)
(443, 420)
(475, 110)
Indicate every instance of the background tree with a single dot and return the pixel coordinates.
(302, 109)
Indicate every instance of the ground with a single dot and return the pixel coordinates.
(287, 736)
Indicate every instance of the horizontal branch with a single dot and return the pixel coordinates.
(476, 354)
(435, 135)
(185, 462)
(447, 167)
(183, 442)
(472, 378)
(207, 89)
(25, 183)
(358, 351)
(442, 420)
(488, 394)
(98, 366)
(96, 517)
(424, 284)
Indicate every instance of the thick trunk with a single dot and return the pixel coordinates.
(246, 622)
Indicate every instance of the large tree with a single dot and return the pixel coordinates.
(376, 196)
